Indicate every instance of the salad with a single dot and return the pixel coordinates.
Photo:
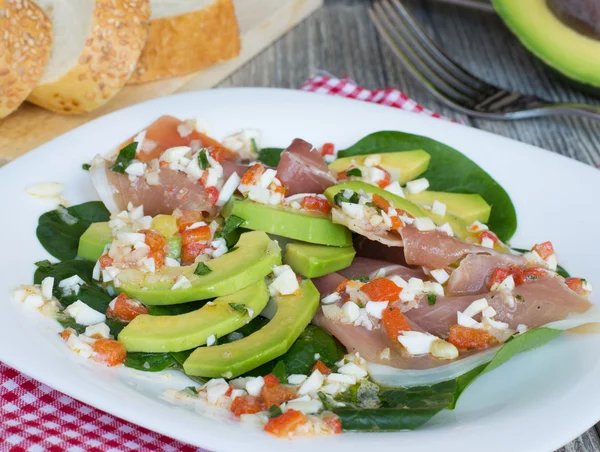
(306, 291)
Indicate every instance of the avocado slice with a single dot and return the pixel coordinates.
(458, 226)
(313, 261)
(251, 260)
(563, 34)
(98, 235)
(294, 313)
(467, 207)
(174, 333)
(288, 222)
(402, 166)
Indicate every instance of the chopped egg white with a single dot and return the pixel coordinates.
(376, 308)
(83, 314)
(353, 370)
(417, 185)
(355, 211)
(181, 283)
(446, 228)
(477, 226)
(174, 154)
(476, 307)
(71, 285)
(296, 379)
(99, 330)
(466, 321)
(395, 189)
(47, 286)
(254, 385)
(210, 340)
(507, 285)
(285, 282)
(440, 275)
(416, 343)
(424, 224)
(331, 298)
(78, 346)
(46, 190)
(438, 208)
(351, 311)
(228, 189)
(487, 242)
(372, 160)
(312, 384)
(552, 262)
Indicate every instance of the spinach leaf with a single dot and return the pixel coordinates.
(90, 293)
(150, 362)
(383, 419)
(231, 224)
(270, 156)
(300, 358)
(126, 155)
(437, 396)
(114, 326)
(86, 166)
(354, 172)
(202, 269)
(59, 230)
(180, 357)
(176, 309)
(280, 372)
(449, 170)
(203, 160)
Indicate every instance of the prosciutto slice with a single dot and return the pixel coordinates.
(538, 302)
(474, 271)
(362, 266)
(377, 250)
(170, 189)
(303, 170)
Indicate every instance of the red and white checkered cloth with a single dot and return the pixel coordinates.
(34, 417)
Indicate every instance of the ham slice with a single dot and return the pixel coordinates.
(377, 250)
(303, 170)
(362, 266)
(545, 300)
(388, 238)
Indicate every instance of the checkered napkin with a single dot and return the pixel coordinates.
(34, 417)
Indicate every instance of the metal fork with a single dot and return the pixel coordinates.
(452, 84)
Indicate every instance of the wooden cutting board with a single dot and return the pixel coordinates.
(261, 23)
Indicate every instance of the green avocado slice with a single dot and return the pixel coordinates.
(93, 241)
(294, 312)
(466, 207)
(402, 166)
(156, 334)
(458, 226)
(252, 259)
(313, 261)
(288, 222)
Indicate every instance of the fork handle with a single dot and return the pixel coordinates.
(583, 110)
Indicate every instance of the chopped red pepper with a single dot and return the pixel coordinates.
(158, 246)
(488, 235)
(334, 422)
(271, 380)
(188, 218)
(125, 309)
(321, 367)
(284, 425)
(545, 250)
(109, 352)
(382, 183)
(316, 204)
(381, 202)
(106, 261)
(394, 322)
(213, 194)
(576, 285)
(246, 405)
(463, 337)
(381, 289)
(253, 173)
(328, 149)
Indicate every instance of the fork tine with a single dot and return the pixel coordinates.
(414, 64)
(434, 51)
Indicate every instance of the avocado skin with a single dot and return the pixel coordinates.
(288, 222)
(253, 258)
(294, 313)
(313, 261)
(159, 334)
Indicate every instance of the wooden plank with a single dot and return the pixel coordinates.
(261, 22)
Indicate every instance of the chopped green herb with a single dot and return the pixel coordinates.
(126, 155)
(531, 277)
(372, 204)
(202, 269)
(274, 411)
(431, 299)
(231, 224)
(43, 264)
(239, 307)
(520, 298)
(254, 146)
(362, 279)
(86, 166)
(339, 198)
(203, 159)
(354, 172)
(191, 390)
(328, 402)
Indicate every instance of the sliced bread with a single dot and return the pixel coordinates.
(95, 47)
(25, 42)
(186, 36)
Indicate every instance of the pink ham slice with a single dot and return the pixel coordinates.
(362, 266)
(475, 270)
(544, 300)
(377, 250)
(303, 170)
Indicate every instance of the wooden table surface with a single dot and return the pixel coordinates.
(340, 39)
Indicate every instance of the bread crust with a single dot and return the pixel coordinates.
(24, 48)
(189, 42)
(118, 33)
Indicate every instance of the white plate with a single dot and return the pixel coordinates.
(538, 401)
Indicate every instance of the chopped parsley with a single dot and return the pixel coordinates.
(274, 411)
(254, 146)
(203, 159)
(86, 166)
(191, 390)
(362, 279)
(231, 224)
(339, 198)
(238, 307)
(520, 298)
(43, 264)
(431, 299)
(531, 277)
(202, 269)
(126, 155)
(354, 172)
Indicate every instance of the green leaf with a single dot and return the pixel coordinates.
(354, 172)
(269, 156)
(231, 224)
(115, 326)
(449, 170)
(59, 230)
(280, 371)
(69, 322)
(176, 309)
(203, 160)
(191, 390)
(202, 269)
(274, 411)
(431, 299)
(383, 419)
(433, 397)
(254, 146)
(362, 279)
(86, 166)
(328, 402)
(239, 307)
(181, 356)
(126, 155)
(89, 293)
(300, 358)
(150, 362)
(339, 198)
